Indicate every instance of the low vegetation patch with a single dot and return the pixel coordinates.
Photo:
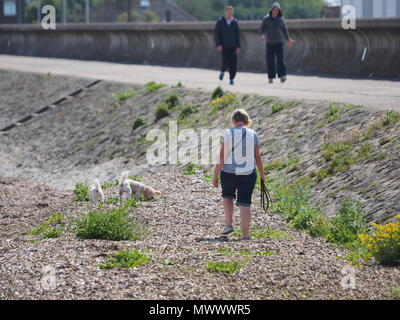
(114, 200)
(384, 242)
(185, 112)
(123, 96)
(51, 228)
(162, 111)
(389, 118)
(348, 224)
(126, 259)
(138, 122)
(172, 101)
(394, 293)
(279, 165)
(109, 225)
(217, 93)
(108, 185)
(153, 86)
(278, 107)
(336, 110)
(81, 192)
(229, 267)
(178, 85)
(262, 233)
(190, 169)
(293, 201)
(224, 102)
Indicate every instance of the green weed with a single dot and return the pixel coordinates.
(126, 259)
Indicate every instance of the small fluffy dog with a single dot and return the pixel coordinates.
(134, 188)
(96, 193)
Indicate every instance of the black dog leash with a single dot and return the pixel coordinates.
(265, 196)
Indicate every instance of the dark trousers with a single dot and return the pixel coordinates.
(275, 50)
(229, 61)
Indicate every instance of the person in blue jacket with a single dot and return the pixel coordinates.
(274, 30)
(227, 40)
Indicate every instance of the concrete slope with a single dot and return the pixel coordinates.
(377, 94)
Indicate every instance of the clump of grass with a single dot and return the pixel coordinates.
(185, 112)
(277, 107)
(81, 192)
(293, 202)
(172, 100)
(333, 113)
(390, 117)
(108, 185)
(261, 233)
(131, 203)
(279, 164)
(123, 96)
(217, 93)
(114, 200)
(230, 267)
(347, 224)
(126, 259)
(153, 86)
(337, 154)
(51, 228)
(320, 175)
(109, 225)
(53, 233)
(178, 85)
(138, 122)
(394, 293)
(190, 169)
(162, 111)
(223, 102)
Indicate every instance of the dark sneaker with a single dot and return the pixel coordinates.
(270, 81)
(283, 79)
(232, 82)
(227, 230)
(221, 76)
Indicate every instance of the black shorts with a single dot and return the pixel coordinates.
(242, 185)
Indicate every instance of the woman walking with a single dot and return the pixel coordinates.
(274, 30)
(239, 157)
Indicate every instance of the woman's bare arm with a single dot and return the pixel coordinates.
(259, 163)
(218, 166)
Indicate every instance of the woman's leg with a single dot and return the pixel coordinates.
(228, 209)
(245, 192)
(245, 218)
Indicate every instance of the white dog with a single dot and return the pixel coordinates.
(96, 193)
(134, 188)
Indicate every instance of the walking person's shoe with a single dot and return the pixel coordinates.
(227, 230)
(270, 81)
(221, 76)
(283, 79)
(232, 82)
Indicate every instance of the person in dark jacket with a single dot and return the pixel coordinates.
(227, 40)
(274, 30)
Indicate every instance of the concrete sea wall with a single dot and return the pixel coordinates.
(322, 46)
